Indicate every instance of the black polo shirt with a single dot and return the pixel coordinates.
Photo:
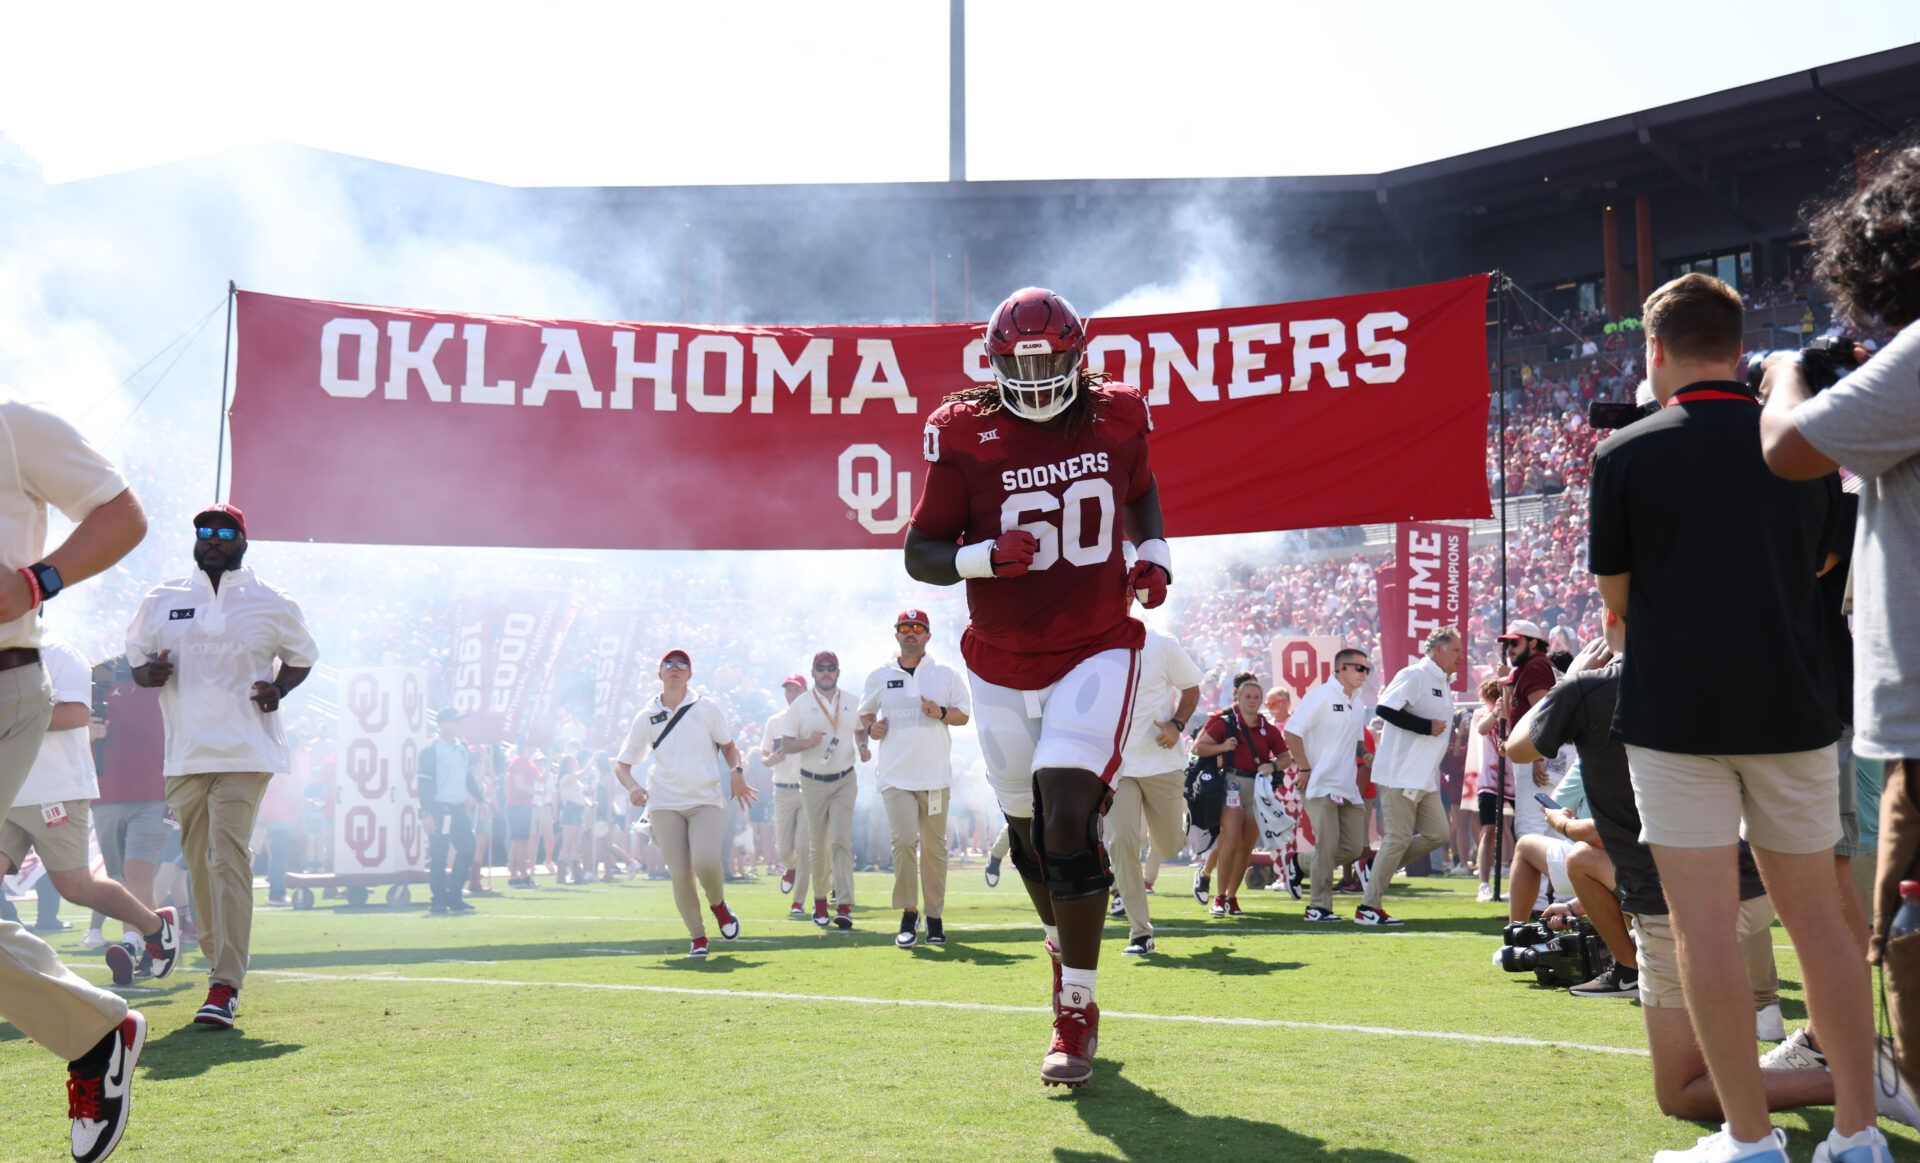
(1580, 711)
(1727, 650)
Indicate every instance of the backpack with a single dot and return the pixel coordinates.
(1206, 784)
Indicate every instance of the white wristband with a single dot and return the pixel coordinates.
(975, 560)
(1157, 551)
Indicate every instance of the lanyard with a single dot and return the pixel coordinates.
(1691, 394)
(833, 720)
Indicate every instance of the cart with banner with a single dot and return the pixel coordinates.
(378, 841)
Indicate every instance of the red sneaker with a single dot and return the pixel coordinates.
(1069, 1060)
(222, 1001)
(843, 917)
(729, 924)
(786, 882)
(1233, 907)
(1219, 907)
(699, 947)
(820, 917)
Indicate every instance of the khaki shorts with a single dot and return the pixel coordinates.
(1785, 802)
(61, 847)
(1659, 965)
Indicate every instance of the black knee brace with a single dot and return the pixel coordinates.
(1022, 851)
(1072, 875)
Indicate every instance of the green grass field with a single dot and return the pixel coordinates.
(567, 1023)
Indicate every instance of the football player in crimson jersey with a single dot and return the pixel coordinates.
(1033, 483)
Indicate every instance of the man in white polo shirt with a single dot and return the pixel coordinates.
(911, 705)
(822, 732)
(1323, 736)
(792, 843)
(50, 817)
(1152, 777)
(45, 461)
(1417, 707)
(211, 641)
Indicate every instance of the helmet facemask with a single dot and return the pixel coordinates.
(1036, 382)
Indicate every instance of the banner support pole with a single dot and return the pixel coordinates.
(1500, 386)
(226, 363)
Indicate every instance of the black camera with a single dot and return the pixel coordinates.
(1825, 361)
(1566, 958)
(1607, 415)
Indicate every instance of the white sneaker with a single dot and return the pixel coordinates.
(94, 939)
(1486, 892)
(1900, 1104)
(1868, 1146)
(1768, 1026)
(1796, 1053)
(1720, 1147)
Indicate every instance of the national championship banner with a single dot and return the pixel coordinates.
(607, 642)
(393, 425)
(505, 648)
(376, 817)
(1425, 588)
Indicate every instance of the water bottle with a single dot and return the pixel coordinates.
(1907, 920)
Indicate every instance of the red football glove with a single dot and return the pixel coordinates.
(1149, 581)
(1013, 552)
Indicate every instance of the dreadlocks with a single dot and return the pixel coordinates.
(1081, 411)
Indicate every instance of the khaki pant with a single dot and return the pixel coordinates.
(919, 848)
(1899, 959)
(216, 811)
(1656, 951)
(792, 843)
(830, 824)
(1158, 802)
(691, 841)
(1339, 835)
(46, 1000)
(1414, 827)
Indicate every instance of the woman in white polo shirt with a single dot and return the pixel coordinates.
(686, 792)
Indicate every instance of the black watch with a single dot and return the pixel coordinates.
(1179, 724)
(49, 579)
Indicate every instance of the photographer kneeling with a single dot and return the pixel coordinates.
(1580, 711)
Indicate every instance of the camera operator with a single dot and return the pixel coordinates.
(1867, 253)
(1687, 523)
(1580, 711)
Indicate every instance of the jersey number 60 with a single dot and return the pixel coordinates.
(1070, 534)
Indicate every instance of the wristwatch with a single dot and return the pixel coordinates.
(1179, 724)
(49, 578)
(737, 769)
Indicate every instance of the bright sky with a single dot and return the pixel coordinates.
(751, 91)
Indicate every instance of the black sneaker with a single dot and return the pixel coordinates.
(843, 916)
(459, 905)
(163, 946)
(1119, 908)
(100, 1089)
(909, 930)
(1295, 878)
(222, 1000)
(1201, 889)
(1368, 915)
(1614, 981)
(120, 963)
(1139, 946)
(993, 872)
(1315, 913)
(936, 932)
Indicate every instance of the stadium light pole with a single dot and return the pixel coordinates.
(226, 362)
(1500, 387)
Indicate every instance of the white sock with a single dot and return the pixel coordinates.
(1076, 986)
(1866, 1136)
(1053, 934)
(1744, 1145)
(96, 933)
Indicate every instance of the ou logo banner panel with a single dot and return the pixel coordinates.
(376, 820)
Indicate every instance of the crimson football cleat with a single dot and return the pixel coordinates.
(1036, 343)
(1069, 1060)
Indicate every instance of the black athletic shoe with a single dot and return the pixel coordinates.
(1200, 888)
(457, 905)
(1139, 946)
(1319, 914)
(1368, 915)
(909, 930)
(993, 872)
(1614, 981)
(1295, 878)
(843, 916)
(936, 932)
(100, 1089)
(222, 1000)
(163, 946)
(120, 963)
(1119, 908)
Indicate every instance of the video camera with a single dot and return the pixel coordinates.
(1565, 958)
(1824, 360)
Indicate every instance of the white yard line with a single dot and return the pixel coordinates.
(971, 1007)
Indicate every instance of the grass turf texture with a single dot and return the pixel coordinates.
(567, 1023)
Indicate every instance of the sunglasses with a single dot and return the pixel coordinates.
(824, 669)
(1362, 667)
(676, 664)
(912, 627)
(208, 533)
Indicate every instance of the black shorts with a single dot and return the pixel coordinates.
(572, 815)
(520, 821)
(1489, 808)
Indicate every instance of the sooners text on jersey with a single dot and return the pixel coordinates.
(995, 472)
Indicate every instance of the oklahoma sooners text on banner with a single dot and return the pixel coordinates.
(433, 428)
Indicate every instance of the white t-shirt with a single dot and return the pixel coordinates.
(64, 768)
(1331, 723)
(1165, 671)
(1406, 759)
(917, 753)
(687, 771)
(43, 461)
(836, 717)
(223, 642)
(785, 768)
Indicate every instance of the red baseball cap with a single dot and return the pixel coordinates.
(229, 511)
(678, 653)
(795, 680)
(919, 616)
(826, 656)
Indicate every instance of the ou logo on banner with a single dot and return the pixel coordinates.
(1303, 663)
(867, 492)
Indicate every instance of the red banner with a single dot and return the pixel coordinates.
(389, 425)
(505, 647)
(1426, 587)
